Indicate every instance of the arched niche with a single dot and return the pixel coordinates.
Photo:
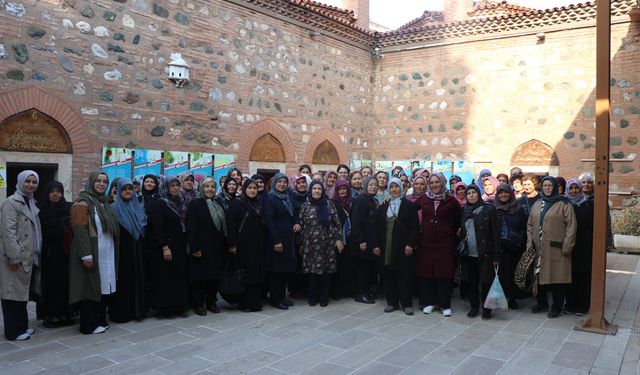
(326, 153)
(34, 131)
(535, 153)
(267, 149)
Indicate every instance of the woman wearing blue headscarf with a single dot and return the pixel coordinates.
(20, 244)
(281, 222)
(130, 301)
(551, 233)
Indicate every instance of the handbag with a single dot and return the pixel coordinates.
(496, 300)
(524, 274)
(461, 247)
(233, 280)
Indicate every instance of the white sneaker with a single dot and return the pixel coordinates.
(24, 336)
(99, 329)
(428, 310)
(446, 312)
(30, 331)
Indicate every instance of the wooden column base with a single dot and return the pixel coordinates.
(602, 327)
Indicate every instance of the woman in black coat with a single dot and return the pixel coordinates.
(54, 221)
(513, 239)
(247, 237)
(206, 233)
(281, 250)
(130, 300)
(579, 291)
(343, 280)
(168, 258)
(481, 230)
(298, 195)
(399, 229)
(366, 239)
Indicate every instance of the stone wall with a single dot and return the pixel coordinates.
(480, 100)
(108, 59)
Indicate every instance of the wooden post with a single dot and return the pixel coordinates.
(597, 322)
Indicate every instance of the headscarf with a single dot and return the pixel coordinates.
(252, 204)
(461, 201)
(551, 199)
(294, 179)
(469, 207)
(282, 196)
(215, 209)
(455, 178)
(577, 199)
(394, 203)
(509, 207)
(175, 204)
(224, 197)
(31, 204)
(491, 197)
(148, 196)
(108, 219)
(419, 173)
(114, 185)
(327, 189)
(586, 176)
(130, 213)
(397, 173)
(345, 202)
(414, 196)
(53, 213)
(198, 178)
(188, 195)
(478, 181)
(439, 196)
(365, 185)
(321, 205)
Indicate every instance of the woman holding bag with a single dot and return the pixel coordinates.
(481, 231)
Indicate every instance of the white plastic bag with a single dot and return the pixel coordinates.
(496, 300)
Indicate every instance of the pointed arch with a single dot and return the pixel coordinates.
(535, 153)
(321, 136)
(260, 129)
(19, 99)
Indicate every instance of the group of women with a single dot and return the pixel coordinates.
(165, 244)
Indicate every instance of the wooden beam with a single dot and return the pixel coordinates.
(597, 322)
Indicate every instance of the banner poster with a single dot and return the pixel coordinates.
(222, 164)
(356, 165)
(421, 164)
(175, 162)
(201, 162)
(444, 166)
(147, 162)
(3, 176)
(464, 169)
(383, 165)
(116, 162)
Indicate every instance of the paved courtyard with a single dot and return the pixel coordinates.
(347, 338)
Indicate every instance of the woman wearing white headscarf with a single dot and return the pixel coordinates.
(20, 244)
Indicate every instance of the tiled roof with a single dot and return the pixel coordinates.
(345, 14)
(427, 18)
(486, 8)
(532, 19)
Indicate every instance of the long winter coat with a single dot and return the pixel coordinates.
(438, 237)
(582, 253)
(556, 242)
(406, 230)
(169, 287)
(487, 231)
(319, 243)
(364, 225)
(203, 236)
(248, 233)
(280, 227)
(16, 246)
(84, 284)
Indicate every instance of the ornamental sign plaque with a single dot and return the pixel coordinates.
(33, 131)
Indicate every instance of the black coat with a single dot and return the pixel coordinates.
(581, 256)
(280, 227)
(248, 234)
(169, 285)
(406, 230)
(364, 225)
(487, 230)
(515, 222)
(203, 236)
(527, 203)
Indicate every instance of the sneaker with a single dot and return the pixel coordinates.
(24, 336)
(390, 308)
(408, 311)
(30, 331)
(446, 313)
(428, 310)
(98, 330)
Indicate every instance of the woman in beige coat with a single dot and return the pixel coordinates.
(20, 244)
(551, 231)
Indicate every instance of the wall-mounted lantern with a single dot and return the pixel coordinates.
(178, 70)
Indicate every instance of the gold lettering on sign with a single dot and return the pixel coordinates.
(32, 142)
(33, 131)
(268, 149)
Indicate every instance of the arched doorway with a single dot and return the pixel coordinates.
(325, 157)
(33, 140)
(536, 157)
(325, 150)
(267, 156)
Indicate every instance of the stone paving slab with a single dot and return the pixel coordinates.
(346, 338)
